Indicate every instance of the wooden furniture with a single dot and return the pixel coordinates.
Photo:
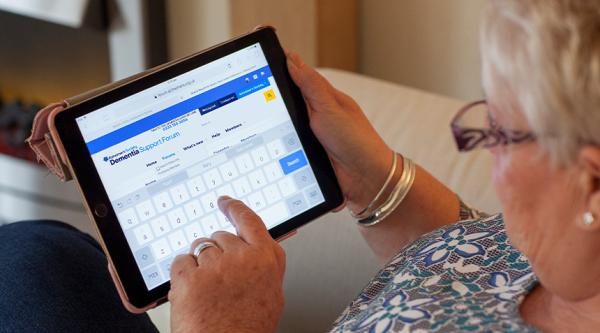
(324, 32)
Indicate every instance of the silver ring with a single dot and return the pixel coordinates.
(203, 246)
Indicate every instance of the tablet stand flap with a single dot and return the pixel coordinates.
(43, 145)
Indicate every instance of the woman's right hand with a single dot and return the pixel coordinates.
(360, 157)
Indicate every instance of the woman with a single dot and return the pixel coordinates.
(535, 267)
(541, 73)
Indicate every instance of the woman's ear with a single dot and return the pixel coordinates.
(589, 160)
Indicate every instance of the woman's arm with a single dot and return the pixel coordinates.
(362, 161)
(428, 206)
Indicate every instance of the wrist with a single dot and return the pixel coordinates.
(374, 180)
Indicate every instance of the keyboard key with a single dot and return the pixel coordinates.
(212, 178)
(160, 226)
(226, 190)
(193, 210)
(143, 257)
(274, 215)
(296, 204)
(177, 240)
(293, 162)
(161, 249)
(304, 178)
(152, 277)
(128, 218)
(276, 149)
(165, 266)
(241, 187)
(260, 156)
(314, 195)
(163, 202)
(143, 234)
(196, 186)
(179, 194)
(244, 163)
(291, 142)
(209, 201)
(271, 193)
(210, 224)
(145, 210)
(257, 179)
(273, 171)
(228, 171)
(177, 218)
(257, 201)
(193, 231)
(287, 186)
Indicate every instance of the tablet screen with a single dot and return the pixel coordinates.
(166, 154)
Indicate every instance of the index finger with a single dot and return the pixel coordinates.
(249, 226)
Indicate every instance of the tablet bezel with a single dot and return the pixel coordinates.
(86, 175)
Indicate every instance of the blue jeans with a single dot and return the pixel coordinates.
(54, 278)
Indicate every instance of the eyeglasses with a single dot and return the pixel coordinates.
(473, 127)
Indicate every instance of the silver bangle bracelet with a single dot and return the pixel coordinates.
(396, 197)
(367, 210)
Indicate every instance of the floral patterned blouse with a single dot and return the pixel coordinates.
(464, 277)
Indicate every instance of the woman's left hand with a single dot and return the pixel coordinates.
(235, 287)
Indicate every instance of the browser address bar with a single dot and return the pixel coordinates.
(175, 91)
(152, 108)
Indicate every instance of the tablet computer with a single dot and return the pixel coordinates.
(152, 156)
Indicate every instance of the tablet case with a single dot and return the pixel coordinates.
(45, 142)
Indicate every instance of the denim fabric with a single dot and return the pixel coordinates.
(54, 278)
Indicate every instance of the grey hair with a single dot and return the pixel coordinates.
(545, 54)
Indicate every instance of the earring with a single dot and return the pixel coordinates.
(588, 218)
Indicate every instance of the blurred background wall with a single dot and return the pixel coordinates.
(426, 44)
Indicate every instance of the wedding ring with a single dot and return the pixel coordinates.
(203, 246)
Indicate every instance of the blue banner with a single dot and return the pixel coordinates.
(206, 102)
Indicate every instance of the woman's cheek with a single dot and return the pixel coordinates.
(500, 174)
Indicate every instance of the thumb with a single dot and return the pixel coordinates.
(317, 91)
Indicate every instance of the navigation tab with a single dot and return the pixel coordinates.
(217, 104)
(208, 108)
(227, 99)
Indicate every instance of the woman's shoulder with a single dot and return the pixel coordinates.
(466, 238)
(468, 265)
(467, 250)
(468, 247)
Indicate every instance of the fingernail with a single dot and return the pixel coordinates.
(221, 203)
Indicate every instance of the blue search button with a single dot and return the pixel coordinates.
(293, 161)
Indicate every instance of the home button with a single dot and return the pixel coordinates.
(100, 210)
